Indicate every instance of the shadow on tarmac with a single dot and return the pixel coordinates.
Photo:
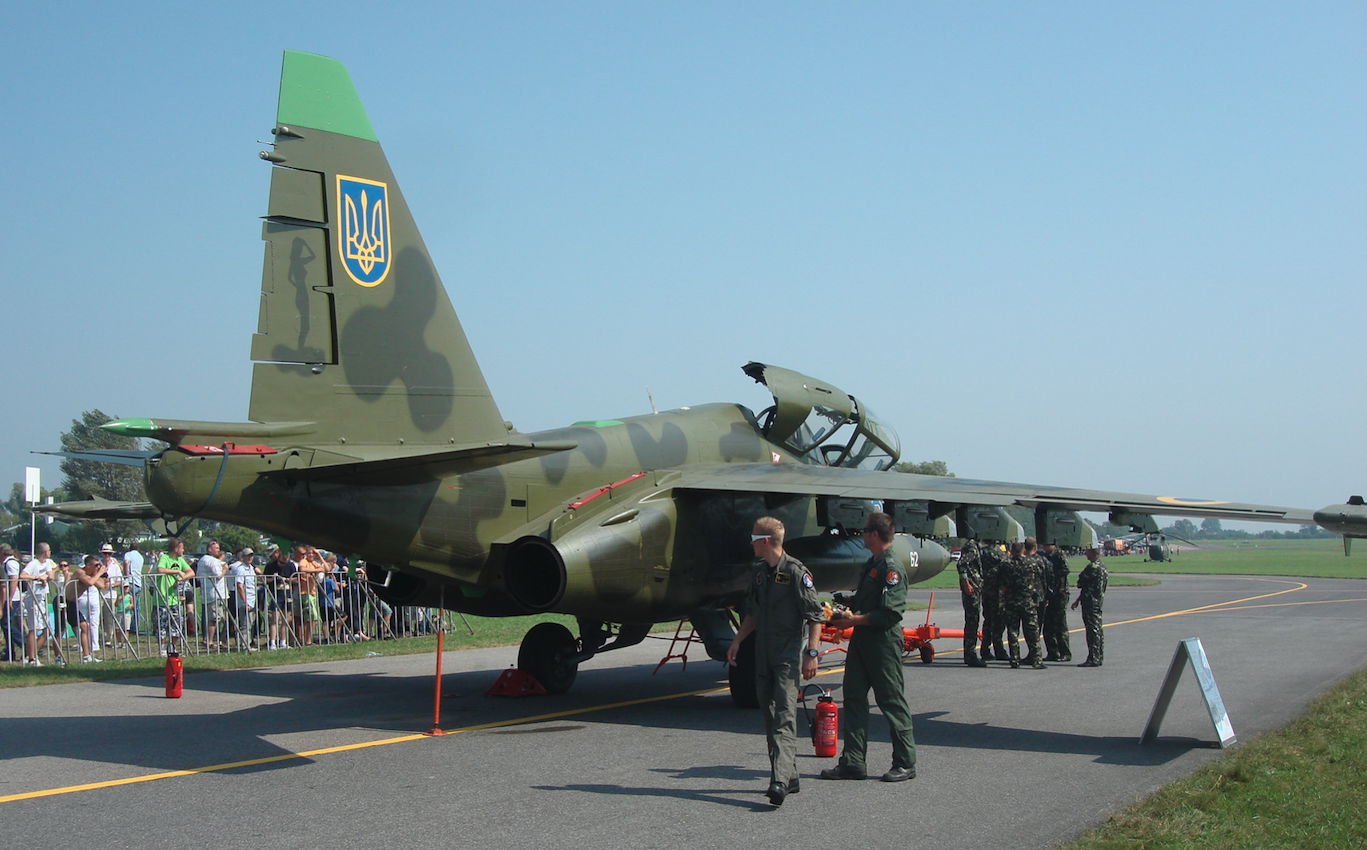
(702, 796)
(318, 699)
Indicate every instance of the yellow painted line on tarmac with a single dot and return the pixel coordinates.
(214, 768)
(91, 786)
(1293, 604)
(1214, 605)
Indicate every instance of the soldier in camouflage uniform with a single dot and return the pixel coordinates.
(1039, 575)
(971, 588)
(1055, 626)
(990, 562)
(785, 617)
(1091, 588)
(1018, 577)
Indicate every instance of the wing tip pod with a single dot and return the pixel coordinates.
(317, 92)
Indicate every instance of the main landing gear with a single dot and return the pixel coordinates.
(547, 653)
(552, 655)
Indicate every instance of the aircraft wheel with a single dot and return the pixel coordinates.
(742, 676)
(543, 654)
(927, 654)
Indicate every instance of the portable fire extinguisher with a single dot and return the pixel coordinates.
(173, 675)
(826, 730)
(826, 725)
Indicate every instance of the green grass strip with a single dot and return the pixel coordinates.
(1301, 786)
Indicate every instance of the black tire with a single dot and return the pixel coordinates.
(543, 654)
(742, 677)
(927, 654)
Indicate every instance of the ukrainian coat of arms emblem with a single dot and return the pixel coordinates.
(363, 211)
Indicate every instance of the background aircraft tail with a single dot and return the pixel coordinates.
(356, 332)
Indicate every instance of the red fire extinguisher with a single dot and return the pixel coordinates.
(173, 675)
(826, 725)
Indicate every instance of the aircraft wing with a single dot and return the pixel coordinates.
(944, 494)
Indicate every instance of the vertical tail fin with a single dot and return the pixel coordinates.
(356, 331)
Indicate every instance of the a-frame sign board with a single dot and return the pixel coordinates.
(1190, 650)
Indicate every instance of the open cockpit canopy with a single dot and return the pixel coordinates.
(822, 423)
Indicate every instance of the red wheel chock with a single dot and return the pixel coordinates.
(515, 683)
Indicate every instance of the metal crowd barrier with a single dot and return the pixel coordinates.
(203, 615)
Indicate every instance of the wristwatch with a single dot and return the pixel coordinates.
(812, 653)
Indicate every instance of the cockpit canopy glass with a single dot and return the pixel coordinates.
(821, 423)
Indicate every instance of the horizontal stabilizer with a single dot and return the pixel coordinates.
(97, 508)
(124, 457)
(419, 466)
(175, 430)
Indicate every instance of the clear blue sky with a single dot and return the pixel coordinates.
(1096, 245)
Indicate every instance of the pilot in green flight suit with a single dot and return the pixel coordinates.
(782, 601)
(874, 659)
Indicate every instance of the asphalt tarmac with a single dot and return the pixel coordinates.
(333, 755)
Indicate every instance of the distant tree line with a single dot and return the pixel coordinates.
(925, 467)
(1210, 529)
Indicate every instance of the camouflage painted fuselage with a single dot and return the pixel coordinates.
(635, 552)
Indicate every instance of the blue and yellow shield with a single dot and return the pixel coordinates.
(363, 212)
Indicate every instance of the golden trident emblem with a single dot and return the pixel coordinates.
(365, 229)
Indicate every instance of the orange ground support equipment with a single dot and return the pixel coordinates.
(515, 683)
(916, 639)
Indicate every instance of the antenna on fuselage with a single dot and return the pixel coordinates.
(651, 398)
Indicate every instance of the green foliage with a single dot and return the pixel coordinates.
(53, 535)
(927, 467)
(1183, 528)
(16, 513)
(192, 536)
(115, 482)
(233, 537)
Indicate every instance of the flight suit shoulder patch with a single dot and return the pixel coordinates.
(807, 580)
(893, 578)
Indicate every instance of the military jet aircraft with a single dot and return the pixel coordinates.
(371, 431)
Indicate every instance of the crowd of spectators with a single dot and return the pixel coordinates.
(105, 606)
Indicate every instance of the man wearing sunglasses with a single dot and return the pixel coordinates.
(874, 659)
(782, 601)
